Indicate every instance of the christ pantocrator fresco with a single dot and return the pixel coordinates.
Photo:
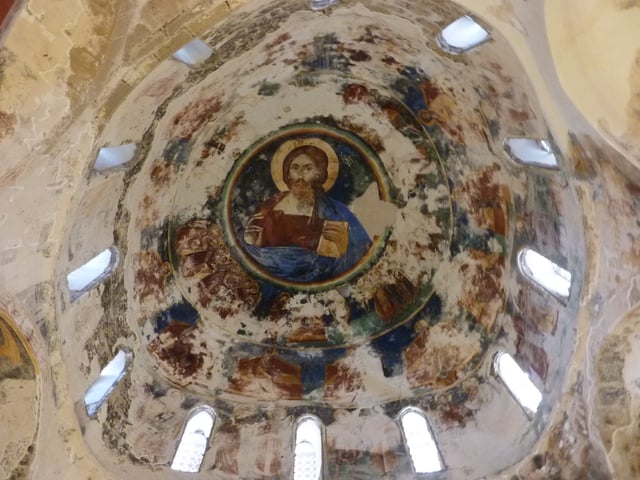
(301, 234)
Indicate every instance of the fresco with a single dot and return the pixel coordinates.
(326, 224)
(336, 233)
(287, 205)
(288, 238)
(16, 361)
(19, 397)
(359, 235)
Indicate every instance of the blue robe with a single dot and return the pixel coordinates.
(302, 265)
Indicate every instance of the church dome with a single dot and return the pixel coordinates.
(313, 240)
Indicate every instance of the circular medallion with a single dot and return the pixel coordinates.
(287, 211)
(320, 234)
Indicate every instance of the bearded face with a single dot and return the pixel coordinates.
(303, 177)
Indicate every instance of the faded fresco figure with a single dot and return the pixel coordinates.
(301, 234)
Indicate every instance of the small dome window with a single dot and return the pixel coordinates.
(518, 382)
(531, 152)
(194, 52)
(87, 276)
(111, 157)
(461, 35)
(321, 4)
(543, 272)
(420, 442)
(308, 449)
(109, 377)
(194, 441)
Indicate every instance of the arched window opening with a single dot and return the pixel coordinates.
(531, 152)
(543, 272)
(461, 35)
(308, 449)
(193, 53)
(110, 157)
(109, 377)
(87, 276)
(518, 382)
(194, 441)
(424, 453)
(321, 4)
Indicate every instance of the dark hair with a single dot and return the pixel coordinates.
(316, 154)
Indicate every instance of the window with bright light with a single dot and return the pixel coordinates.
(321, 4)
(109, 377)
(194, 441)
(422, 447)
(110, 157)
(194, 52)
(461, 35)
(308, 449)
(531, 152)
(518, 382)
(545, 273)
(87, 276)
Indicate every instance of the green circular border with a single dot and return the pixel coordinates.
(384, 188)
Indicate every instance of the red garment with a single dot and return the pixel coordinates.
(285, 230)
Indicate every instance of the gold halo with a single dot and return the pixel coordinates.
(288, 146)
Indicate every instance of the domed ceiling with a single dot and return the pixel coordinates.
(322, 218)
